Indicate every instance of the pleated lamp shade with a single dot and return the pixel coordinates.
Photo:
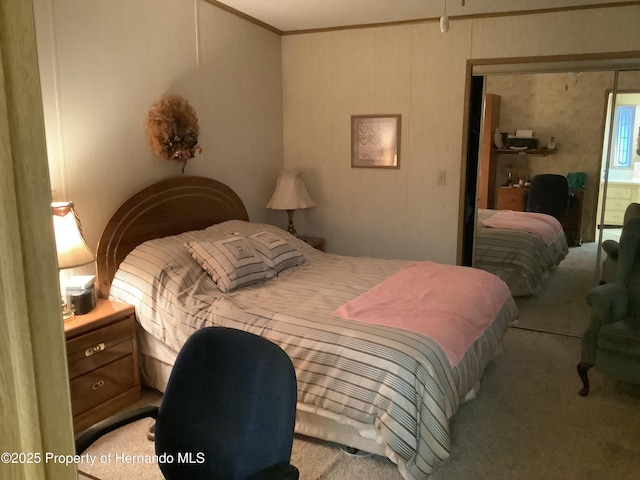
(290, 194)
(70, 244)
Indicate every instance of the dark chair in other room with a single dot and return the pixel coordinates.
(611, 343)
(549, 193)
(611, 248)
(228, 412)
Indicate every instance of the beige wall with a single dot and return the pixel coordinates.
(400, 69)
(418, 72)
(105, 63)
(266, 102)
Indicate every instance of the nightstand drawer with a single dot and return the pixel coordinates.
(100, 347)
(511, 198)
(510, 203)
(101, 384)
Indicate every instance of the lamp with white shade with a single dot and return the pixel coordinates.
(290, 195)
(71, 246)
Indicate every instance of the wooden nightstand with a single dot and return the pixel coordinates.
(315, 242)
(512, 198)
(102, 354)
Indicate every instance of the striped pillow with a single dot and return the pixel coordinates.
(231, 262)
(275, 251)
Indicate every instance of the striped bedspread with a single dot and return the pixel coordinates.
(520, 258)
(398, 381)
(423, 297)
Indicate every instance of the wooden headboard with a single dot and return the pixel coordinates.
(169, 207)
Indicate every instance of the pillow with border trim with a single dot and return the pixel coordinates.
(275, 251)
(230, 262)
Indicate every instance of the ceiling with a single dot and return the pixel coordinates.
(296, 15)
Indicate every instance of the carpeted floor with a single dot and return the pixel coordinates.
(527, 423)
(560, 307)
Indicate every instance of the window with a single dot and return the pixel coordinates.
(623, 145)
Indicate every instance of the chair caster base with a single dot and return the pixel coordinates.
(151, 434)
(353, 452)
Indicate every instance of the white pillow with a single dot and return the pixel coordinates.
(275, 251)
(231, 262)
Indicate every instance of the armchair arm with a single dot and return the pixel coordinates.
(611, 247)
(608, 304)
(609, 300)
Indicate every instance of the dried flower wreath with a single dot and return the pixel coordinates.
(172, 129)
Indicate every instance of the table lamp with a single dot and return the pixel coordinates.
(71, 247)
(290, 194)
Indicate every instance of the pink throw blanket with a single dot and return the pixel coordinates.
(545, 227)
(449, 304)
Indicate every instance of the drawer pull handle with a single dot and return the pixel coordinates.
(97, 385)
(93, 350)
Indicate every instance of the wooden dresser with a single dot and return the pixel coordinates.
(102, 355)
(619, 196)
(512, 198)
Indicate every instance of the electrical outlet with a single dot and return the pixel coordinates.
(442, 177)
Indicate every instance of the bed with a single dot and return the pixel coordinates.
(374, 387)
(523, 257)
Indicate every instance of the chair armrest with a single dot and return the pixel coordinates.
(93, 433)
(608, 301)
(609, 304)
(611, 247)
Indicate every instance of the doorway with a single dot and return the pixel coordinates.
(620, 165)
(473, 146)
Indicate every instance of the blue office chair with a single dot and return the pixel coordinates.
(549, 193)
(228, 410)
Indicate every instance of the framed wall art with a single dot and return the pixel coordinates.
(375, 141)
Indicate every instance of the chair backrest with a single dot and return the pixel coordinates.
(549, 193)
(229, 407)
(629, 263)
(632, 211)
